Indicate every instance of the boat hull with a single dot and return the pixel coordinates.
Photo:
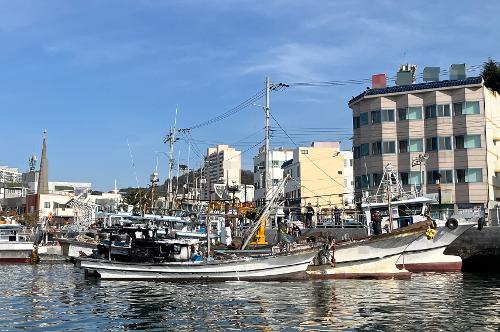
(371, 258)
(427, 255)
(279, 267)
(16, 252)
(383, 268)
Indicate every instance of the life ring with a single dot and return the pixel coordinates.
(480, 224)
(452, 223)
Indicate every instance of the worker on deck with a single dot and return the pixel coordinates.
(309, 215)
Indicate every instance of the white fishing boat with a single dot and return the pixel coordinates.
(13, 248)
(274, 267)
(397, 243)
(372, 257)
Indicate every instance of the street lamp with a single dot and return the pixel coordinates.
(420, 160)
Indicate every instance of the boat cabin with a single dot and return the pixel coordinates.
(404, 212)
(10, 232)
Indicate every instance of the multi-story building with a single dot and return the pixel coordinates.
(276, 159)
(445, 132)
(317, 176)
(222, 166)
(10, 175)
(348, 179)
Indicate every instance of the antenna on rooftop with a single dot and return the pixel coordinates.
(32, 163)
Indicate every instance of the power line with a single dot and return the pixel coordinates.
(248, 102)
(291, 139)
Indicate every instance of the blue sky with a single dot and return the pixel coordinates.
(97, 74)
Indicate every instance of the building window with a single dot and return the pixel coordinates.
(382, 116)
(363, 119)
(389, 147)
(304, 151)
(467, 141)
(446, 176)
(355, 122)
(375, 116)
(437, 111)
(469, 175)
(46, 205)
(364, 149)
(339, 172)
(362, 181)
(410, 113)
(466, 108)
(376, 179)
(411, 145)
(413, 177)
(276, 163)
(438, 143)
(377, 148)
(355, 152)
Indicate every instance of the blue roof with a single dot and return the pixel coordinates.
(416, 87)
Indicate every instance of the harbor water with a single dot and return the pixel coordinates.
(58, 298)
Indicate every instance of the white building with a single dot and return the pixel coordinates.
(10, 175)
(348, 179)
(222, 166)
(276, 158)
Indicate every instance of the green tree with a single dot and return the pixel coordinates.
(491, 75)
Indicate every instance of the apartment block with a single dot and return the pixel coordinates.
(317, 176)
(276, 159)
(222, 165)
(437, 131)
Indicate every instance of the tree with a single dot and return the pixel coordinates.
(491, 75)
(246, 177)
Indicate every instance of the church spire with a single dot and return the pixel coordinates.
(43, 179)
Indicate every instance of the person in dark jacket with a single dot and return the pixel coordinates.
(309, 215)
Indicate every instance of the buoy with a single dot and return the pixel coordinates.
(430, 233)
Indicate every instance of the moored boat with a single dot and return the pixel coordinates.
(267, 268)
(14, 249)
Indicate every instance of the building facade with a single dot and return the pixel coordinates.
(348, 179)
(222, 165)
(444, 132)
(317, 177)
(10, 175)
(276, 159)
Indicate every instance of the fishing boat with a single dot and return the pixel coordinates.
(266, 268)
(402, 237)
(13, 248)
(178, 259)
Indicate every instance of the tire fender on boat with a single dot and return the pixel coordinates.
(452, 223)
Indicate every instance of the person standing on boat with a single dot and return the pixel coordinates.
(309, 215)
(377, 223)
(336, 214)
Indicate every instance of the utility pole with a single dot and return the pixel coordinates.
(171, 140)
(267, 182)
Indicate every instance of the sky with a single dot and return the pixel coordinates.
(105, 77)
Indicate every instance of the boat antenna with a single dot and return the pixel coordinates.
(133, 164)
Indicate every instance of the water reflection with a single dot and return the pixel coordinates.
(58, 298)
